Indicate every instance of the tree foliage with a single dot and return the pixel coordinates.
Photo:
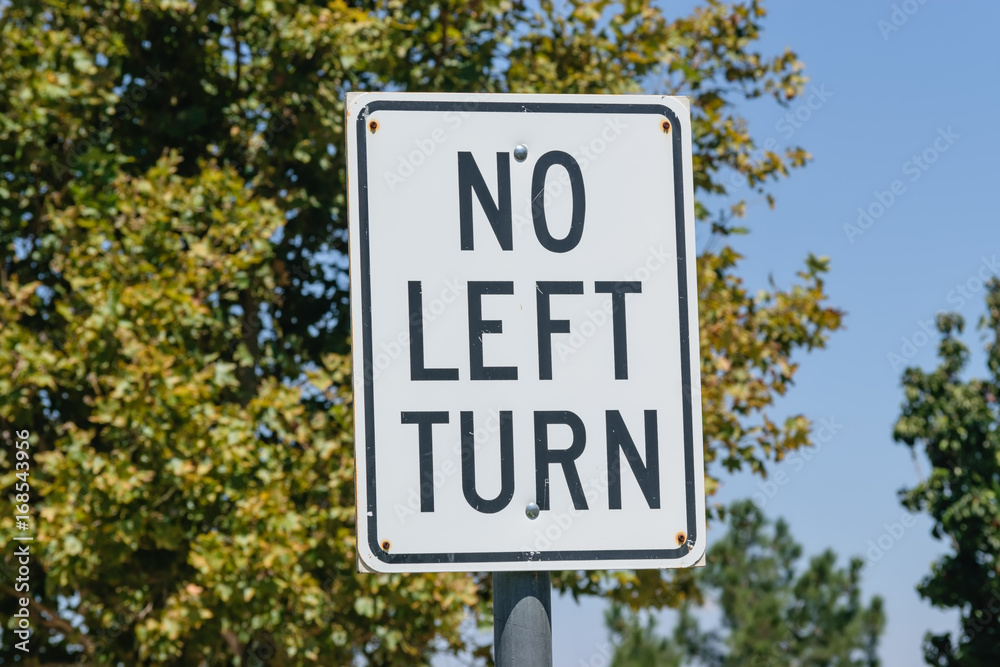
(953, 421)
(637, 643)
(173, 301)
(772, 614)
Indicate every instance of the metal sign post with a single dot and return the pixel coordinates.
(522, 619)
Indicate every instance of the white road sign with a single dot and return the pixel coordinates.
(525, 326)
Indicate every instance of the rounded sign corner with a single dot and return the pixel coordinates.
(695, 557)
(677, 109)
(356, 101)
(372, 560)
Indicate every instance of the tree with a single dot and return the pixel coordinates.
(173, 302)
(952, 420)
(771, 613)
(637, 644)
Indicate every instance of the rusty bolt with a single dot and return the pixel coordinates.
(665, 126)
(385, 543)
(373, 126)
(681, 538)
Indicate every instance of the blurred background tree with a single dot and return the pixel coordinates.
(952, 419)
(771, 613)
(173, 302)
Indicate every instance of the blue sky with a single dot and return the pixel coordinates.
(891, 94)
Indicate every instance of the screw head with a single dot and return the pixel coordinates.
(373, 126)
(666, 126)
(520, 152)
(531, 511)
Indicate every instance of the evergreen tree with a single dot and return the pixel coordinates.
(952, 419)
(772, 613)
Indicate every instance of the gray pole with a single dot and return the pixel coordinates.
(522, 619)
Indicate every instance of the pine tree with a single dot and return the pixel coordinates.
(773, 611)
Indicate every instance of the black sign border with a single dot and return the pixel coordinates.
(473, 106)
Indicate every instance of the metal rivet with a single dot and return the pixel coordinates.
(385, 545)
(531, 511)
(373, 126)
(520, 153)
(681, 538)
(666, 126)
